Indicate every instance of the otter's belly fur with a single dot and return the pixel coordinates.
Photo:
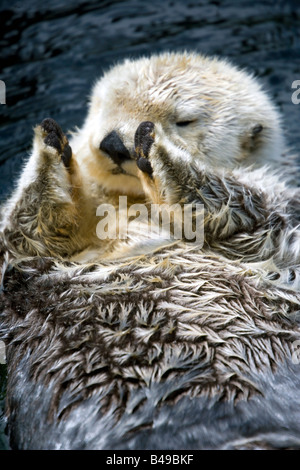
(175, 351)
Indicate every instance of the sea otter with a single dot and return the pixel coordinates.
(155, 343)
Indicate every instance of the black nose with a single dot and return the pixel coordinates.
(113, 145)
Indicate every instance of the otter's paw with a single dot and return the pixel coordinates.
(159, 162)
(143, 141)
(54, 140)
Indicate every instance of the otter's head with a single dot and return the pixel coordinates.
(218, 113)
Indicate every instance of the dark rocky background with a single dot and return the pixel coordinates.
(52, 53)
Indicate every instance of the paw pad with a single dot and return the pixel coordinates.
(143, 140)
(54, 137)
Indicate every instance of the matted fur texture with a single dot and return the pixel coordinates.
(155, 343)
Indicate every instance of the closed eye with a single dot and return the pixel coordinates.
(184, 123)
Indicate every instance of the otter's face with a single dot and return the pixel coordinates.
(205, 106)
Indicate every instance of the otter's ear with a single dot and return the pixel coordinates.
(252, 139)
(256, 130)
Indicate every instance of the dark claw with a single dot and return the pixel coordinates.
(67, 155)
(53, 140)
(143, 141)
(56, 139)
(49, 126)
(144, 165)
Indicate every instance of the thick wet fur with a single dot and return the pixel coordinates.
(155, 343)
(241, 220)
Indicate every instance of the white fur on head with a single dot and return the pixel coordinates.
(204, 105)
